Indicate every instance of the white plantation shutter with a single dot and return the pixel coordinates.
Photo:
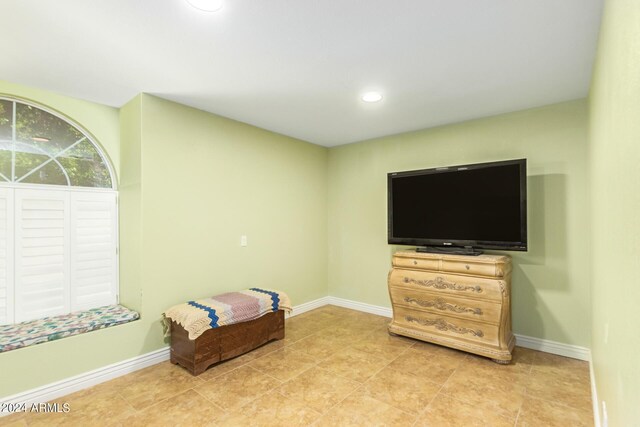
(41, 253)
(6, 256)
(94, 234)
(57, 252)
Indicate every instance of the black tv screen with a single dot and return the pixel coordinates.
(474, 206)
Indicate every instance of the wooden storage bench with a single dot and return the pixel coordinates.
(224, 342)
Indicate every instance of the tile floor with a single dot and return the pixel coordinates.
(338, 367)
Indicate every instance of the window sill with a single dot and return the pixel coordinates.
(34, 332)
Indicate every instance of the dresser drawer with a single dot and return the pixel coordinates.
(493, 266)
(437, 303)
(416, 263)
(448, 284)
(446, 326)
(471, 268)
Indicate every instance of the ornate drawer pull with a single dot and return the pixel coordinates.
(442, 325)
(440, 304)
(440, 283)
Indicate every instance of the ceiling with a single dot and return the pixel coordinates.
(298, 67)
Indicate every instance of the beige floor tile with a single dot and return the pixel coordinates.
(13, 421)
(46, 419)
(318, 388)
(160, 370)
(394, 381)
(299, 323)
(318, 348)
(401, 390)
(429, 349)
(537, 412)
(481, 368)
(153, 371)
(363, 325)
(384, 347)
(185, 409)
(523, 355)
(435, 368)
(237, 388)
(271, 409)
(383, 333)
(40, 416)
(561, 366)
(343, 335)
(354, 364)
(292, 334)
(360, 409)
(267, 348)
(445, 411)
(283, 364)
(489, 393)
(152, 386)
(334, 309)
(87, 395)
(290, 339)
(320, 319)
(561, 388)
(98, 406)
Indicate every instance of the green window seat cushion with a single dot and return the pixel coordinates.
(55, 327)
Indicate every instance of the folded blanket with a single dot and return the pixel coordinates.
(226, 309)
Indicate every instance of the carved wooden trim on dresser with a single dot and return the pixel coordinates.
(443, 325)
(452, 342)
(503, 288)
(441, 304)
(441, 283)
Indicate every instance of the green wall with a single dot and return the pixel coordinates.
(190, 184)
(550, 282)
(615, 184)
(206, 181)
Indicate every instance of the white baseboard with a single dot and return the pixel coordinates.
(308, 306)
(88, 379)
(360, 306)
(553, 347)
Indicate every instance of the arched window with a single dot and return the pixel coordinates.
(58, 217)
(39, 147)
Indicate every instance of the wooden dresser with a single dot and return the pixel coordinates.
(458, 301)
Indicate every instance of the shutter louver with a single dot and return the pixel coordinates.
(42, 254)
(94, 273)
(6, 256)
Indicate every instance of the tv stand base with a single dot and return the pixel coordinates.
(467, 250)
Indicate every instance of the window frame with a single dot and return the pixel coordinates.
(88, 135)
(17, 185)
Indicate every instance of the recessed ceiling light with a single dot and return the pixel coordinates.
(371, 97)
(206, 5)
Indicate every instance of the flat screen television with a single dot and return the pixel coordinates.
(460, 209)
